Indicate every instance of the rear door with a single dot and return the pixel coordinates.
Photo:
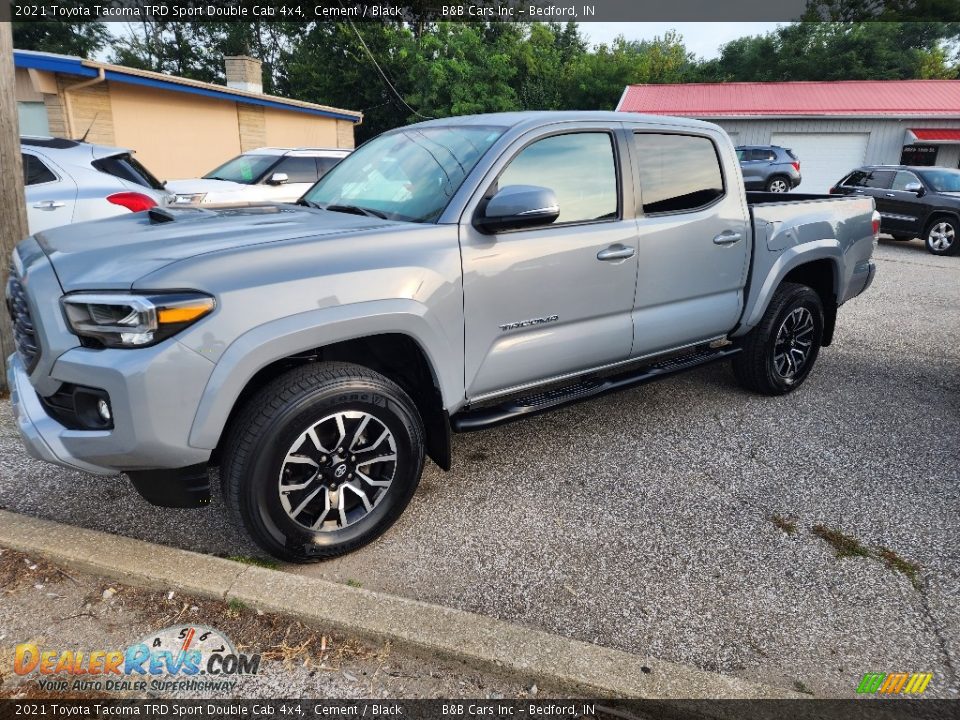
(752, 166)
(555, 300)
(693, 240)
(51, 194)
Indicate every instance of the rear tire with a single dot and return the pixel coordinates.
(940, 237)
(779, 353)
(322, 461)
(778, 184)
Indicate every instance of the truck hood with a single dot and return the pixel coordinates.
(113, 254)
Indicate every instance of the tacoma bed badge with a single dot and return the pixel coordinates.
(528, 323)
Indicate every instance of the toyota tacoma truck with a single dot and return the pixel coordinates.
(447, 276)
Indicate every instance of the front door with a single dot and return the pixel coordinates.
(902, 211)
(549, 301)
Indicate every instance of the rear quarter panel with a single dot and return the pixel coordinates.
(791, 233)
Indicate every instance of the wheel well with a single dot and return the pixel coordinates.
(395, 356)
(819, 275)
(934, 216)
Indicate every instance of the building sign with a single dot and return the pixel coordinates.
(919, 155)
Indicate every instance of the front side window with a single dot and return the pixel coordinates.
(409, 174)
(298, 169)
(580, 169)
(677, 172)
(244, 169)
(34, 171)
(902, 179)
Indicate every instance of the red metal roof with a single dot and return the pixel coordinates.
(864, 98)
(936, 134)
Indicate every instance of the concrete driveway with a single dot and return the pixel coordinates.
(688, 519)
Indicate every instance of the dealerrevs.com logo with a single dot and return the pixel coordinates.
(899, 683)
(175, 659)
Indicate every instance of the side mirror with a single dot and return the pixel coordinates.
(278, 179)
(914, 187)
(518, 206)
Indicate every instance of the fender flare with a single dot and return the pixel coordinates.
(760, 295)
(281, 338)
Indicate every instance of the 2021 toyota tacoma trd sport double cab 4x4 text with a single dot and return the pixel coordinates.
(449, 275)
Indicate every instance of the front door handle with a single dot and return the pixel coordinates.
(616, 252)
(727, 237)
(48, 205)
(889, 194)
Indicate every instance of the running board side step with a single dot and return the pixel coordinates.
(526, 405)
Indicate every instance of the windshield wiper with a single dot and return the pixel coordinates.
(306, 203)
(356, 210)
(216, 177)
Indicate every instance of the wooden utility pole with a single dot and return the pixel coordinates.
(13, 205)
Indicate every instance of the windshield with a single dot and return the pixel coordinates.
(246, 169)
(943, 180)
(408, 175)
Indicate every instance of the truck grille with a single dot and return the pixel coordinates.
(24, 334)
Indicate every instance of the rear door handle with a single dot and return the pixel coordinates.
(616, 252)
(889, 194)
(727, 238)
(48, 205)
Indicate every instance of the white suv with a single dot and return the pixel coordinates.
(263, 175)
(67, 181)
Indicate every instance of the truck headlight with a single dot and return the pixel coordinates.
(123, 320)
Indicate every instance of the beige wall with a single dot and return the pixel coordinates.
(292, 129)
(176, 135)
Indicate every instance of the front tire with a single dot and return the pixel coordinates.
(322, 461)
(941, 237)
(779, 353)
(778, 184)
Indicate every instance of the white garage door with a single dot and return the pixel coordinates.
(824, 157)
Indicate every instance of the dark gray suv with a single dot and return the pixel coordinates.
(769, 167)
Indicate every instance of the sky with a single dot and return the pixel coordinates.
(702, 38)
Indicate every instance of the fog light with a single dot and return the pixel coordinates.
(103, 410)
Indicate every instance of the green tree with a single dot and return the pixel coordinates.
(82, 39)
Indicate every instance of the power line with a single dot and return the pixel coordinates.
(380, 69)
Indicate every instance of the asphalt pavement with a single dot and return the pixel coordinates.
(687, 519)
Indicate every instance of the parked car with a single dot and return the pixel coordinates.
(264, 175)
(769, 167)
(319, 352)
(68, 181)
(913, 202)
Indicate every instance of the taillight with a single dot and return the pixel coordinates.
(876, 227)
(796, 165)
(132, 201)
(834, 191)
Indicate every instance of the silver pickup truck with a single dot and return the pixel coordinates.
(447, 276)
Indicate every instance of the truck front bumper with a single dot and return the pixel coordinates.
(40, 432)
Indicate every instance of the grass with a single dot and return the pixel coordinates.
(354, 583)
(235, 607)
(800, 686)
(788, 525)
(898, 564)
(258, 562)
(844, 545)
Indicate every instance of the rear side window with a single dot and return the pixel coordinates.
(763, 155)
(879, 179)
(127, 168)
(677, 172)
(34, 171)
(298, 169)
(578, 167)
(869, 179)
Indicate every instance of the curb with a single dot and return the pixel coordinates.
(452, 634)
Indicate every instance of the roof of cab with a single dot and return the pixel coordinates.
(538, 118)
